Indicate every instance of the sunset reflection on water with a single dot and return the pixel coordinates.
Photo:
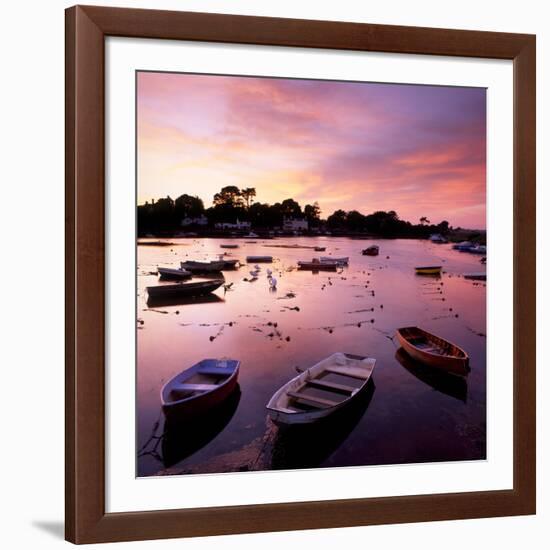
(410, 414)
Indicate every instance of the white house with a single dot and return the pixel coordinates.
(237, 225)
(201, 220)
(292, 224)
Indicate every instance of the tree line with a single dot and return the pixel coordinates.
(230, 204)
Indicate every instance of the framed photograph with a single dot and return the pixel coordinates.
(300, 265)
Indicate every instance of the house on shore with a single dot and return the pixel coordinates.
(295, 224)
(201, 220)
(238, 225)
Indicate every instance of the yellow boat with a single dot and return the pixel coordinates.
(428, 270)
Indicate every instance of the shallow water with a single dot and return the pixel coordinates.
(409, 414)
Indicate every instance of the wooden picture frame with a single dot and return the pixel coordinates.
(86, 30)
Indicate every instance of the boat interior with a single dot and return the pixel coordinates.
(328, 386)
(205, 378)
(431, 344)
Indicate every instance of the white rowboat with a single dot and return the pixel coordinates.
(321, 390)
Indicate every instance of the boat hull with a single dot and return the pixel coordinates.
(432, 270)
(184, 290)
(173, 274)
(199, 404)
(260, 259)
(453, 364)
(284, 419)
(193, 408)
(318, 266)
(338, 261)
(371, 251)
(280, 413)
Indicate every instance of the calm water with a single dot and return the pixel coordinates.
(409, 414)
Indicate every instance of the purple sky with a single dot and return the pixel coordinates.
(418, 150)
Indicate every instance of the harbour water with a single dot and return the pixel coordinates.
(410, 413)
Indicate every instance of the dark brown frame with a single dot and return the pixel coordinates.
(86, 29)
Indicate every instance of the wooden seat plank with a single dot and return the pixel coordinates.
(324, 384)
(351, 374)
(312, 399)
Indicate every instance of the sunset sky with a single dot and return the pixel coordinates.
(418, 150)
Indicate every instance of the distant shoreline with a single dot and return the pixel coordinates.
(478, 236)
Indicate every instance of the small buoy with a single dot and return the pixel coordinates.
(287, 338)
(372, 320)
(212, 338)
(330, 331)
(177, 312)
(381, 306)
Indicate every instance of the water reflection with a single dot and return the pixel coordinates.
(310, 317)
(444, 382)
(160, 301)
(309, 445)
(182, 439)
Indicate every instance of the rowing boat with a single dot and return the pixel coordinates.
(208, 267)
(317, 265)
(229, 246)
(428, 270)
(371, 250)
(321, 390)
(319, 248)
(433, 350)
(339, 261)
(476, 276)
(199, 388)
(185, 289)
(170, 273)
(260, 259)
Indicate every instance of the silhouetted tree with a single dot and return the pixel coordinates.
(229, 196)
(337, 219)
(312, 213)
(291, 209)
(248, 194)
(188, 206)
(355, 221)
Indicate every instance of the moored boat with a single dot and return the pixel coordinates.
(199, 388)
(199, 288)
(171, 273)
(260, 259)
(433, 350)
(229, 246)
(319, 248)
(208, 267)
(464, 246)
(476, 276)
(428, 270)
(316, 265)
(479, 249)
(438, 238)
(155, 243)
(321, 390)
(371, 250)
(344, 260)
